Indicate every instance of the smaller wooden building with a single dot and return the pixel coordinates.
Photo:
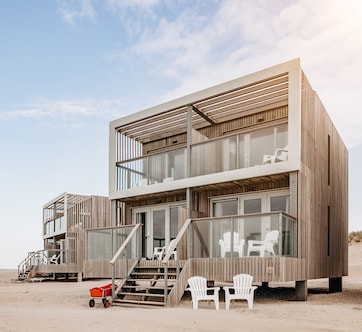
(66, 219)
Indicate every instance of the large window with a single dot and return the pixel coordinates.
(257, 223)
(239, 151)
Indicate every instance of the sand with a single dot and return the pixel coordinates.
(63, 306)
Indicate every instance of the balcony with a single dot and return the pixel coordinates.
(238, 151)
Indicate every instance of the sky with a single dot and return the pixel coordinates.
(69, 67)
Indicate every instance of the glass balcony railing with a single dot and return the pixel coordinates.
(211, 237)
(152, 169)
(218, 155)
(103, 243)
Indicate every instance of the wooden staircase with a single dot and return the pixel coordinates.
(145, 286)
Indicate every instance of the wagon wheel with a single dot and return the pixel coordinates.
(91, 303)
(106, 303)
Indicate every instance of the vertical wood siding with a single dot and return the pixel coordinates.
(325, 250)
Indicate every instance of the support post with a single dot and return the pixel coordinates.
(335, 285)
(301, 290)
(80, 277)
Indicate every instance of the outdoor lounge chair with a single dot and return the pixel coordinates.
(53, 259)
(198, 288)
(159, 252)
(271, 238)
(281, 154)
(242, 290)
(225, 244)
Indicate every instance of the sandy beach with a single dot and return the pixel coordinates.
(63, 306)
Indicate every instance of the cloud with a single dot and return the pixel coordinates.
(43, 109)
(235, 38)
(134, 13)
(71, 11)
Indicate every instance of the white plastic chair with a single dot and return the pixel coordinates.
(271, 238)
(198, 288)
(225, 244)
(281, 154)
(159, 252)
(243, 290)
(53, 259)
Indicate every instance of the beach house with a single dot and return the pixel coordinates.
(66, 218)
(248, 176)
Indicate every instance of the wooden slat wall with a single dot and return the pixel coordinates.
(100, 212)
(315, 195)
(267, 269)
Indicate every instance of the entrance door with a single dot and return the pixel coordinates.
(160, 226)
(141, 216)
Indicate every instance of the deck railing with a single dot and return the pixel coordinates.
(129, 249)
(205, 236)
(211, 156)
(45, 257)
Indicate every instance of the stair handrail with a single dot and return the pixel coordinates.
(176, 241)
(119, 252)
(27, 262)
(168, 254)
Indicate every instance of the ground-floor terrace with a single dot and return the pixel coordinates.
(216, 248)
(203, 246)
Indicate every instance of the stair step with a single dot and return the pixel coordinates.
(141, 294)
(150, 279)
(138, 302)
(145, 287)
(173, 274)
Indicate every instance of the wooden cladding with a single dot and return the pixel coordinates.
(322, 191)
(88, 212)
(263, 269)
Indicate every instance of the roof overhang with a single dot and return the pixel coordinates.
(240, 97)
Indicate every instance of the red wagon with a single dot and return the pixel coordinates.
(103, 292)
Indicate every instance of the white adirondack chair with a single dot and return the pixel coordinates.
(225, 244)
(243, 290)
(198, 288)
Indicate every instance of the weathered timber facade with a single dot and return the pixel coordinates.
(66, 219)
(249, 156)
